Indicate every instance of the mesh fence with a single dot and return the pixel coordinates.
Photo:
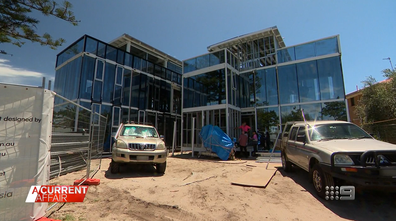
(383, 130)
(77, 142)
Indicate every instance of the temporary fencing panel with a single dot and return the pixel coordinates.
(25, 141)
(77, 141)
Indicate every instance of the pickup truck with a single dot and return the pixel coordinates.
(338, 152)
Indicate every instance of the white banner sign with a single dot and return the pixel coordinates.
(25, 142)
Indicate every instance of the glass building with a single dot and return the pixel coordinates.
(253, 78)
(125, 80)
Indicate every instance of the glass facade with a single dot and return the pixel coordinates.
(307, 81)
(120, 85)
(259, 82)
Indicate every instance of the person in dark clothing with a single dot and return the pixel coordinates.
(243, 142)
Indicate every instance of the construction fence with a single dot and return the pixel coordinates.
(77, 142)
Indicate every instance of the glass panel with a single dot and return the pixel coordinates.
(97, 91)
(107, 112)
(327, 46)
(137, 63)
(87, 76)
(119, 75)
(288, 88)
(116, 116)
(266, 87)
(176, 101)
(330, 78)
(312, 111)
(286, 55)
(150, 68)
(111, 53)
(334, 111)
(143, 91)
(127, 87)
(308, 82)
(70, 52)
(135, 90)
(305, 51)
(211, 89)
(120, 56)
(67, 79)
(108, 87)
(267, 118)
(99, 70)
(91, 45)
(101, 49)
(128, 60)
(117, 95)
(291, 113)
(133, 117)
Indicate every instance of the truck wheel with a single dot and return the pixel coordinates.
(321, 180)
(114, 167)
(286, 165)
(161, 167)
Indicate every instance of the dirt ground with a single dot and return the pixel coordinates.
(201, 189)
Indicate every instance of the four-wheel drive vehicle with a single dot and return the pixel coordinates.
(138, 144)
(335, 152)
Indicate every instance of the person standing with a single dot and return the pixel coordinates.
(243, 142)
(254, 142)
(244, 127)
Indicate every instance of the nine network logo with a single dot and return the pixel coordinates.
(340, 193)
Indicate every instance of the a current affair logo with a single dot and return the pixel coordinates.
(61, 194)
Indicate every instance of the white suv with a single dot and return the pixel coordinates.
(138, 144)
(336, 152)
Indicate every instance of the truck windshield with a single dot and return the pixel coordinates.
(336, 131)
(139, 131)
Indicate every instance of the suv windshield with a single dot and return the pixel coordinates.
(138, 131)
(336, 131)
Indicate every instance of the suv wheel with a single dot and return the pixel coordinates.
(161, 167)
(320, 180)
(114, 167)
(286, 165)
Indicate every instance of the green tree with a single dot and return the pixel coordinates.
(16, 25)
(378, 101)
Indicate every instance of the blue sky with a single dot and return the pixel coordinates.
(184, 29)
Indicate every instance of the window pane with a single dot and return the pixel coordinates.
(128, 60)
(120, 56)
(127, 87)
(312, 111)
(87, 76)
(119, 75)
(308, 82)
(108, 87)
(111, 53)
(330, 78)
(266, 87)
(327, 46)
(91, 45)
(101, 50)
(286, 55)
(288, 88)
(291, 113)
(99, 70)
(334, 111)
(97, 91)
(305, 51)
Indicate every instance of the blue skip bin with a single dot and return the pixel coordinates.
(217, 141)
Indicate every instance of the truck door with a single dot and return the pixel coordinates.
(291, 149)
(302, 152)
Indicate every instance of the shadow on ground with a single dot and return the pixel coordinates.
(368, 204)
(133, 171)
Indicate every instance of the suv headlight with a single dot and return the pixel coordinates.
(343, 160)
(121, 144)
(161, 146)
